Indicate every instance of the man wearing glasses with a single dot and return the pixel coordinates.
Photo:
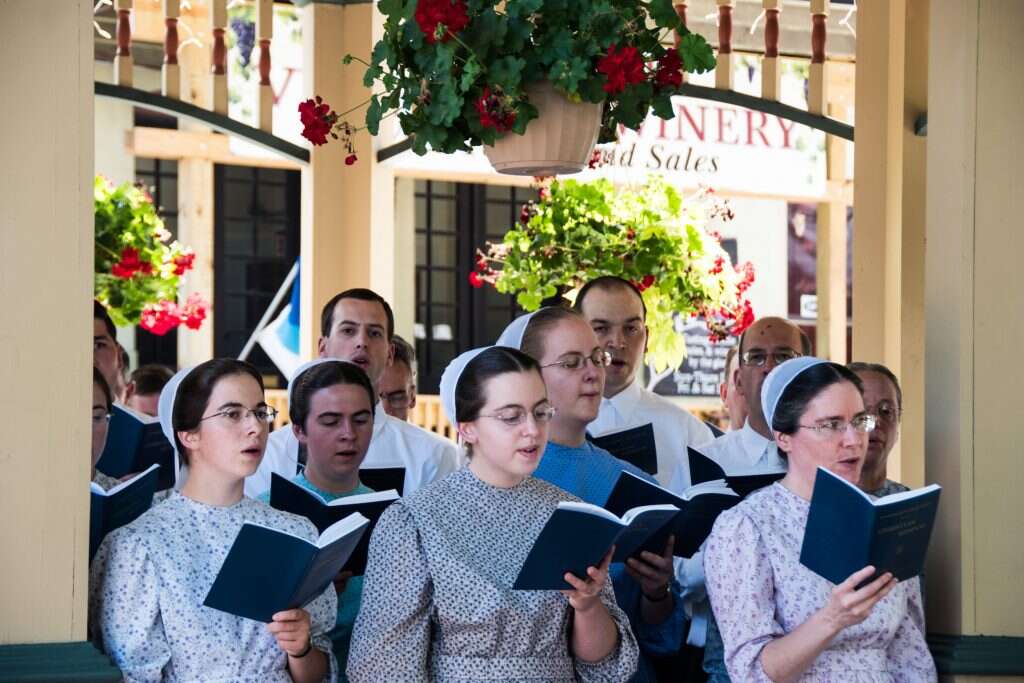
(397, 386)
(768, 342)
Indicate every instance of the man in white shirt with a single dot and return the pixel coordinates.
(357, 325)
(733, 403)
(749, 450)
(616, 312)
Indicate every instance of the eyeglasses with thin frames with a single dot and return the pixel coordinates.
(884, 411)
(513, 417)
(835, 428)
(758, 358)
(577, 361)
(265, 415)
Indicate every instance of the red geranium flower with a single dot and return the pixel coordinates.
(128, 265)
(160, 318)
(193, 313)
(317, 120)
(622, 67)
(476, 280)
(669, 73)
(350, 159)
(183, 262)
(744, 319)
(433, 13)
(495, 112)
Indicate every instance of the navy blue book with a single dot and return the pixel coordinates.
(635, 445)
(383, 478)
(134, 443)
(298, 500)
(703, 468)
(699, 507)
(122, 504)
(577, 536)
(268, 571)
(847, 530)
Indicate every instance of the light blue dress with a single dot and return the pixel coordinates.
(147, 586)
(590, 473)
(348, 600)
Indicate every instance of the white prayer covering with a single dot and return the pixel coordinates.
(513, 334)
(165, 413)
(675, 428)
(780, 378)
(395, 443)
(450, 380)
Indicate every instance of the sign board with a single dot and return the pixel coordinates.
(702, 369)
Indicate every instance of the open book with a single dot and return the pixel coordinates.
(635, 445)
(268, 571)
(122, 504)
(847, 530)
(703, 468)
(290, 497)
(699, 507)
(134, 442)
(577, 536)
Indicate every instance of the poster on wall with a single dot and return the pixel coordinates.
(701, 371)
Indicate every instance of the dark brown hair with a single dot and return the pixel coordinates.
(362, 294)
(193, 396)
(320, 377)
(540, 324)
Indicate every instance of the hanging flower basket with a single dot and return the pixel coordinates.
(462, 74)
(560, 141)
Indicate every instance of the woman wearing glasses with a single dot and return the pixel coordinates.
(883, 398)
(780, 621)
(150, 577)
(573, 363)
(438, 603)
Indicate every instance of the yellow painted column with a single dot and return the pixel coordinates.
(46, 239)
(347, 211)
(975, 318)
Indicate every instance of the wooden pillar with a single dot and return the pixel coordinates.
(832, 253)
(975, 322)
(170, 73)
(264, 35)
(726, 59)
(337, 200)
(817, 95)
(771, 71)
(196, 201)
(123, 54)
(46, 237)
(219, 56)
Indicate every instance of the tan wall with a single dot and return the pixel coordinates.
(46, 244)
(975, 315)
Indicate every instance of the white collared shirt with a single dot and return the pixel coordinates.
(743, 451)
(395, 443)
(675, 428)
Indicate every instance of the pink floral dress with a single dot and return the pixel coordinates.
(759, 591)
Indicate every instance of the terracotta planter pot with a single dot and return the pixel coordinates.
(560, 140)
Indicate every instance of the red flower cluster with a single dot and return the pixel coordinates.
(162, 317)
(495, 112)
(318, 120)
(646, 283)
(451, 14)
(596, 159)
(130, 264)
(747, 269)
(670, 70)
(183, 262)
(622, 67)
(744, 318)
(528, 211)
(719, 265)
(483, 273)
(350, 159)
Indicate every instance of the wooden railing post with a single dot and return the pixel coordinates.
(264, 34)
(170, 74)
(219, 61)
(726, 63)
(771, 72)
(680, 8)
(123, 55)
(817, 95)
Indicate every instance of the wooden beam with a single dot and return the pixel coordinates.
(161, 143)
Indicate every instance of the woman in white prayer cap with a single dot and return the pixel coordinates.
(150, 578)
(438, 603)
(779, 620)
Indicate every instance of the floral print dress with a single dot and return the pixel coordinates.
(759, 591)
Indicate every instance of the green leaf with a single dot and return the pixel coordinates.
(373, 115)
(662, 106)
(518, 32)
(469, 74)
(506, 72)
(445, 103)
(522, 8)
(664, 14)
(696, 53)
(389, 7)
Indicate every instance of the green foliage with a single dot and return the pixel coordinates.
(131, 240)
(435, 87)
(647, 235)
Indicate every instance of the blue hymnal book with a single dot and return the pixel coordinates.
(134, 442)
(290, 497)
(635, 445)
(699, 507)
(847, 530)
(577, 536)
(109, 510)
(383, 478)
(703, 468)
(268, 571)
